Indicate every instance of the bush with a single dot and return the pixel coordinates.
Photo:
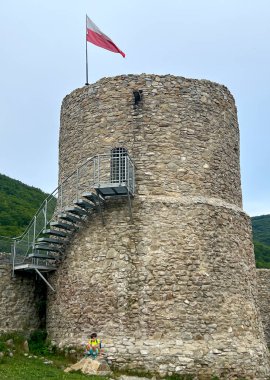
(38, 342)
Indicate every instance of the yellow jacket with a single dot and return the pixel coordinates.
(94, 342)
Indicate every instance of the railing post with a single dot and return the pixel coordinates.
(127, 171)
(34, 232)
(45, 213)
(13, 258)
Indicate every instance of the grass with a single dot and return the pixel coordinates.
(23, 368)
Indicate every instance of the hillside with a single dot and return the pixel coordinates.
(261, 239)
(18, 204)
(262, 254)
(261, 229)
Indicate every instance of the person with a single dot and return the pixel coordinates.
(93, 347)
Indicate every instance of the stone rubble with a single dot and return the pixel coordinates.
(90, 366)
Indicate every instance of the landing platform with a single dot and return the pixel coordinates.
(30, 267)
(112, 190)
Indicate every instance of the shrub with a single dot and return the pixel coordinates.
(37, 342)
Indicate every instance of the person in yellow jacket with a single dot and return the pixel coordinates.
(93, 346)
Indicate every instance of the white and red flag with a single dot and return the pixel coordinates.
(96, 37)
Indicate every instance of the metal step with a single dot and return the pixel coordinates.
(112, 191)
(76, 210)
(64, 226)
(40, 256)
(92, 197)
(56, 233)
(83, 203)
(46, 247)
(33, 267)
(51, 241)
(69, 218)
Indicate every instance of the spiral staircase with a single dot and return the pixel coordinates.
(77, 199)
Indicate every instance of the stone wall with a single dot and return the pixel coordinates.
(263, 280)
(164, 307)
(175, 290)
(183, 136)
(19, 301)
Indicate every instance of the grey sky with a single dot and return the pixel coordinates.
(43, 59)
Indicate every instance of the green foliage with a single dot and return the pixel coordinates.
(261, 240)
(262, 254)
(37, 342)
(2, 346)
(18, 204)
(261, 229)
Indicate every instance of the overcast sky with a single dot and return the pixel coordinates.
(43, 59)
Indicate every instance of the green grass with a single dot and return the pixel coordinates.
(24, 368)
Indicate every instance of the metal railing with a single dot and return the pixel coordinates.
(23, 245)
(115, 169)
(100, 170)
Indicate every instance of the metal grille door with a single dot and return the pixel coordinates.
(118, 165)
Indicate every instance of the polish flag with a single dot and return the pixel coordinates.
(95, 35)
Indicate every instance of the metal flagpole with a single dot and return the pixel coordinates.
(86, 52)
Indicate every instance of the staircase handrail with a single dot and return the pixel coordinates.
(56, 190)
(96, 172)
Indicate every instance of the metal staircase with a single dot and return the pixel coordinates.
(42, 246)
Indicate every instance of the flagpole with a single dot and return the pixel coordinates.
(86, 52)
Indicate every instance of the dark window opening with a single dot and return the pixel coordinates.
(138, 94)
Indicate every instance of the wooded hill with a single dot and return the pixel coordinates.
(261, 239)
(19, 202)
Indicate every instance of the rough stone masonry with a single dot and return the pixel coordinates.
(19, 300)
(174, 291)
(263, 285)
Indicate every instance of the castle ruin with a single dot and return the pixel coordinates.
(165, 275)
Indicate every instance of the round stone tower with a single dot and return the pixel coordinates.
(174, 289)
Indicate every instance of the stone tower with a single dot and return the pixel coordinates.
(174, 290)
